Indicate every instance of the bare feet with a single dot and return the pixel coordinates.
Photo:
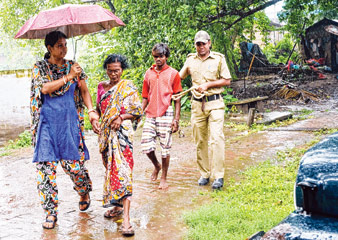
(155, 173)
(163, 184)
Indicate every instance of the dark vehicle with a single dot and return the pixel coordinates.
(316, 197)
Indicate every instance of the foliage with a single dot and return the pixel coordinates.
(148, 22)
(14, 13)
(256, 127)
(22, 53)
(300, 14)
(12, 55)
(229, 13)
(185, 102)
(260, 201)
(24, 140)
(227, 98)
(303, 114)
(279, 54)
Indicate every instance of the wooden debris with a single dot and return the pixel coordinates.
(287, 93)
(245, 104)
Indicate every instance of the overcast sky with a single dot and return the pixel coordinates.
(272, 11)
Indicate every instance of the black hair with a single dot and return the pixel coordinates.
(113, 58)
(52, 38)
(161, 48)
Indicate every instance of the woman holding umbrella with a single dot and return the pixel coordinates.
(120, 109)
(58, 95)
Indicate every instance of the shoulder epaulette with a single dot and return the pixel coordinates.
(218, 54)
(192, 55)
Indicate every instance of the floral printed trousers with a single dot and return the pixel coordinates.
(46, 182)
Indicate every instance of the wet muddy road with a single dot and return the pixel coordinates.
(155, 214)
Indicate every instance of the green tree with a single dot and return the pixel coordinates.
(279, 54)
(299, 13)
(174, 22)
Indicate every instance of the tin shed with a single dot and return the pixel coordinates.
(321, 41)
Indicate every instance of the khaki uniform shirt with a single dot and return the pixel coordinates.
(212, 68)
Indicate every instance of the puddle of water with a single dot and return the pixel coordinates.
(155, 214)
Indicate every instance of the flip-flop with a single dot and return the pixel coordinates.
(128, 232)
(50, 221)
(84, 203)
(113, 213)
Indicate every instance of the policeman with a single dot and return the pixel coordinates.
(209, 73)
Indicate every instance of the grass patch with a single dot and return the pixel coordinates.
(24, 140)
(4, 153)
(303, 114)
(242, 127)
(259, 127)
(258, 202)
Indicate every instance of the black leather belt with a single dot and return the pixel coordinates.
(209, 98)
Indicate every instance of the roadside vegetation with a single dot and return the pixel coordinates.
(24, 140)
(256, 127)
(264, 196)
(259, 198)
(258, 202)
(150, 22)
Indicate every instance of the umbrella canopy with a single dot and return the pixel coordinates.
(71, 19)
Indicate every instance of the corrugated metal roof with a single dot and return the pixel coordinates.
(332, 29)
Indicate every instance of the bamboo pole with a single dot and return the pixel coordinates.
(253, 58)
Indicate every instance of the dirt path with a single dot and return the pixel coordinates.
(155, 214)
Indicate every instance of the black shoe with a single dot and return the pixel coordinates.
(203, 181)
(217, 184)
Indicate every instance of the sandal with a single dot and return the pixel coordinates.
(128, 232)
(50, 221)
(81, 203)
(113, 213)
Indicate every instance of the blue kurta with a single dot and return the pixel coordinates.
(59, 134)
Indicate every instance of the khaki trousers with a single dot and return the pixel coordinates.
(210, 121)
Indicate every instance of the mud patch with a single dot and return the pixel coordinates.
(325, 89)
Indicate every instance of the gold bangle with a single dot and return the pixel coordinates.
(64, 81)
